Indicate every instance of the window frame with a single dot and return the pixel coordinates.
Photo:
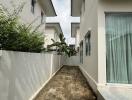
(81, 51)
(108, 83)
(88, 43)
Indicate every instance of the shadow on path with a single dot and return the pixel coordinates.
(67, 84)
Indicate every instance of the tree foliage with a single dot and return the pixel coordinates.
(16, 36)
(62, 46)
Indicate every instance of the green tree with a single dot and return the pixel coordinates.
(16, 36)
(62, 46)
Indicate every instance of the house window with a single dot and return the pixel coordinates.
(88, 43)
(33, 3)
(83, 7)
(42, 16)
(119, 47)
(81, 51)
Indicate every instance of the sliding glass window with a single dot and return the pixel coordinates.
(81, 52)
(119, 47)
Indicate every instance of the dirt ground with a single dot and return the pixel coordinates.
(68, 84)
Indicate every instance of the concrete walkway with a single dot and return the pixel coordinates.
(67, 84)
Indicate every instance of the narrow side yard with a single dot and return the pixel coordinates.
(67, 84)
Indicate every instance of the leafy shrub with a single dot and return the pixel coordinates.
(18, 37)
(62, 47)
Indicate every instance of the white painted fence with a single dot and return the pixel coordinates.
(71, 61)
(22, 74)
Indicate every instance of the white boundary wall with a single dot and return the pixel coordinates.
(22, 74)
(71, 61)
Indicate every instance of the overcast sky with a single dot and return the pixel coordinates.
(63, 10)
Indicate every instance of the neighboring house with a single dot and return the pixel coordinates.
(34, 11)
(52, 31)
(75, 33)
(106, 34)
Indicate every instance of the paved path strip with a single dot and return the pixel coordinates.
(67, 84)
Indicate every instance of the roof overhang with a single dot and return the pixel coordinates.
(56, 26)
(47, 7)
(74, 28)
(76, 7)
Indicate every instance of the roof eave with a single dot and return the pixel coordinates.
(47, 7)
(54, 26)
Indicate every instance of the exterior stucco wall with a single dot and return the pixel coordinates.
(107, 6)
(22, 74)
(49, 34)
(71, 61)
(89, 22)
(77, 39)
(94, 19)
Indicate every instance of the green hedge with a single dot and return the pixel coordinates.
(16, 36)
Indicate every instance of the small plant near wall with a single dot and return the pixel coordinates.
(62, 47)
(16, 36)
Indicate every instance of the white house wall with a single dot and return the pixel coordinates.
(107, 6)
(89, 22)
(94, 66)
(77, 41)
(71, 61)
(57, 36)
(49, 34)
